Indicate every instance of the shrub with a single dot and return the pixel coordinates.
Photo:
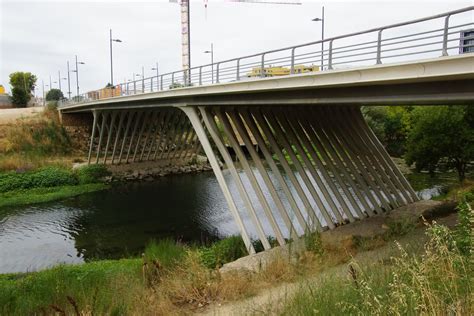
(91, 173)
(223, 251)
(166, 251)
(464, 234)
(44, 177)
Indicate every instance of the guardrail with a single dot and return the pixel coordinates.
(434, 36)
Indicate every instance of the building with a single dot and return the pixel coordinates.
(5, 102)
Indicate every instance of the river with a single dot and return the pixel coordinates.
(118, 223)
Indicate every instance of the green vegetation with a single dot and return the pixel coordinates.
(223, 251)
(175, 279)
(49, 183)
(40, 136)
(431, 137)
(435, 282)
(441, 133)
(90, 288)
(42, 195)
(22, 86)
(54, 95)
(391, 124)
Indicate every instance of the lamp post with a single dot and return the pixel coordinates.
(59, 79)
(111, 60)
(322, 36)
(42, 83)
(68, 81)
(157, 76)
(212, 60)
(77, 74)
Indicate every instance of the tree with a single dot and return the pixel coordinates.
(54, 95)
(22, 84)
(441, 133)
(390, 124)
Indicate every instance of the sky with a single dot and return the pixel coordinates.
(41, 36)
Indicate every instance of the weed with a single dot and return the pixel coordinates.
(91, 173)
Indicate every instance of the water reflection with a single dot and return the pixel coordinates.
(119, 222)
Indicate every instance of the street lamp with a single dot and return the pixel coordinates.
(59, 79)
(157, 76)
(322, 36)
(77, 74)
(212, 60)
(68, 81)
(111, 60)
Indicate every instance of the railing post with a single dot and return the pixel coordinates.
(237, 77)
(143, 85)
(292, 69)
(135, 87)
(217, 72)
(128, 86)
(330, 55)
(379, 48)
(445, 36)
(200, 75)
(151, 84)
(172, 80)
(161, 83)
(262, 66)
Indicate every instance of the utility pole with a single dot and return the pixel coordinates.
(59, 79)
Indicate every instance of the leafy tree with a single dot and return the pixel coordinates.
(54, 95)
(441, 133)
(390, 124)
(22, 84)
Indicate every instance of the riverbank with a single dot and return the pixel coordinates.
(172, 278)
(49, 184)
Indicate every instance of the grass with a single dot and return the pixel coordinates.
(90, 288)
(48, 184)
(172, 278)
(41, 195)
(435, 282)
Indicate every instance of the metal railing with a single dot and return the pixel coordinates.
(434, 36)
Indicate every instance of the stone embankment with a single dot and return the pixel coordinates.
(151, 170)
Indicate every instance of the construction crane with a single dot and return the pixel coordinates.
(186, 26)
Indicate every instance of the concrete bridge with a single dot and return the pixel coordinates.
(318, 164)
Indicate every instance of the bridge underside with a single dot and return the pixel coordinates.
(299, 168)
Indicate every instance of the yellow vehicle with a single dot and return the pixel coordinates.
(2, 89)
(280, 71)
(105, 93)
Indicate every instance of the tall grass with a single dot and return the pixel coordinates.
(437, 282)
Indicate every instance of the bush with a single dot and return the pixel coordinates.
(223, 251)
(91, 173)
(44, 177)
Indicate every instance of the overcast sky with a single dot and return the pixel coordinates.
(40, 36)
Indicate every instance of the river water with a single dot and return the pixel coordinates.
(119, 222)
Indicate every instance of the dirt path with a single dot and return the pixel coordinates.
(11, 115)
(270, 300)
